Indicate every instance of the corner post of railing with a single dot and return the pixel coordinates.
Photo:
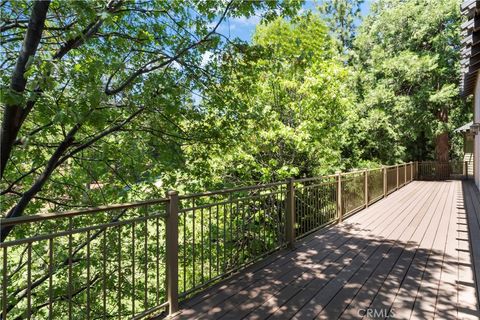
(465, 169)
(397, 166)
(366, 187)
(384, 170)
(339, 196)
(411, 171)
(417, 174)
(172, 251)
(290, 218)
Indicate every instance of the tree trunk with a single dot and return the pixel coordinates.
(442, 148)
(14, 111)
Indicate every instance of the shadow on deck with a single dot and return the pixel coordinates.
(408, 256)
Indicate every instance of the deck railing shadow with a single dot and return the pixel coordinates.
(338, 265)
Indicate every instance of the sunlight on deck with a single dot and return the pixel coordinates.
(407, 256)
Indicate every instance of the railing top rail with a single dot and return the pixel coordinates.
(358, 171)
(449, 161)
(94, 227)
(4, 222)
(397, 165)
(72, 213)
(314, 178)
(230, 190)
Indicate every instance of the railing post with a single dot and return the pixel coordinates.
(411, 171)
(416, 170)
(397, 167)
(290, 218)
(405, 174)
(366, 188)
(172, 251)
(465, 169)
(384, 169)
(339, 196)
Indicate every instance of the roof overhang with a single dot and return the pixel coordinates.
(470, 52)
(465, 128)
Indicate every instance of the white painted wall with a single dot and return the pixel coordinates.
(476, 105)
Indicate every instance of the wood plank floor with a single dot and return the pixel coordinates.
(409, 256)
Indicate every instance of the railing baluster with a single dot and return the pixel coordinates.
(202, 246)
(184, 249)
(70, 239)
(29, 280)
(157, 260)
(224, 266)
(50, 278)
(4, 283)
(133, 268)
(217, 240)
(316, 195)
(145, 264)
(209, 242)
(194, 257)
(104, 274)
(255, 235)
(172, 252)
(119, 263)
(244, 229)
(231, 228)
(88, 274)
(238, 227)
(312, 208)
(290, 214)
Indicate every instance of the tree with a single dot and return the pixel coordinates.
(342, 17)
(407, 64)
(83, 82)
(286, 106)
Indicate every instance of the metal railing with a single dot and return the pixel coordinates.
(83, 264)
(434, 170)
(138, 259)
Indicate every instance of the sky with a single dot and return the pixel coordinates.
(244, 28)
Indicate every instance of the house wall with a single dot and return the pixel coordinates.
(476, 115)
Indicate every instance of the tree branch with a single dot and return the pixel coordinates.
(13, 115)
(146, 68)
(54, 161)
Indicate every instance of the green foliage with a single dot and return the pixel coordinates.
(287, 102)
(144, 58)
(407, 64)
(154, 114)
(341, 17)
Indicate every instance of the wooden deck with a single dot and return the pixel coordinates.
(408, 256)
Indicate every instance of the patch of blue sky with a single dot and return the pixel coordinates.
(244, 28)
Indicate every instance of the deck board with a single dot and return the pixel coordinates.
(409, 254)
